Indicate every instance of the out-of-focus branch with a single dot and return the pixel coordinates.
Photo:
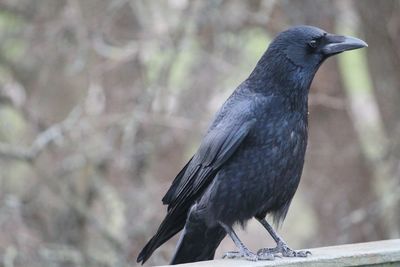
(176, 40)
(21, 13)
(42, 141)
(327, 101)
(373, 209)
(113, 52)
(84, 211)
(17, 153)
(18, 71)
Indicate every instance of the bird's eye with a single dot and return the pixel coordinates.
(313, 43)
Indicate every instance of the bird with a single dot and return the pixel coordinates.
(250, 160)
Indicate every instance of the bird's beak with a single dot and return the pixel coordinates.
(336, 44)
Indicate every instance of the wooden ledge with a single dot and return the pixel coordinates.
(379, 253)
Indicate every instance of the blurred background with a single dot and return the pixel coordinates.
(103, 101)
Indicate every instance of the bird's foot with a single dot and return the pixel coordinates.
(284, 250)
(246, 254)
(266, 255)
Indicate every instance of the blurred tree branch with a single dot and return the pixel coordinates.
(21, 13)
(327, 101)
(42, 141)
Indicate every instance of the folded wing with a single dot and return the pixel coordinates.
(217, 146)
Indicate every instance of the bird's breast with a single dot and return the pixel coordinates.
(280, 134)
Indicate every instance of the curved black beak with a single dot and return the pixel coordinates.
(336, 44)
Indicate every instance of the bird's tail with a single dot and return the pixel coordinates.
(171, 225)
(198, 241)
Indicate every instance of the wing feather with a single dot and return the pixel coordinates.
(216, 148)
(225, 135)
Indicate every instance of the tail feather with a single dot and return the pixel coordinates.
(168, 228)
(198, 241)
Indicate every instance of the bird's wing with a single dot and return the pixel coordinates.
(225, 135)
(217, 146)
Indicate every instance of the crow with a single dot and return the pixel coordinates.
(251, 158)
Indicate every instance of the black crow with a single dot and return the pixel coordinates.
(250, 161)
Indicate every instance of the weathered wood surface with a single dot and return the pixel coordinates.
(379, 253)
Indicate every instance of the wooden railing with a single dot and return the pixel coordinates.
(379, 253)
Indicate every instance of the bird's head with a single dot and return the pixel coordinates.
(300, 50)
(308, 46)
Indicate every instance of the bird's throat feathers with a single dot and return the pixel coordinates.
(275, 68)
(275, 73)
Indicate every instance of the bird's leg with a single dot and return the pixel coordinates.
(243, 252)
(281, 246)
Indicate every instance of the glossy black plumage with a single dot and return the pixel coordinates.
(250, 161)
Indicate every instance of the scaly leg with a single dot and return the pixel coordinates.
(243, 252)
(281, 246)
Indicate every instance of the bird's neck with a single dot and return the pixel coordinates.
(279, 76)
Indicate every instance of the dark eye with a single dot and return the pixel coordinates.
(313, 43)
